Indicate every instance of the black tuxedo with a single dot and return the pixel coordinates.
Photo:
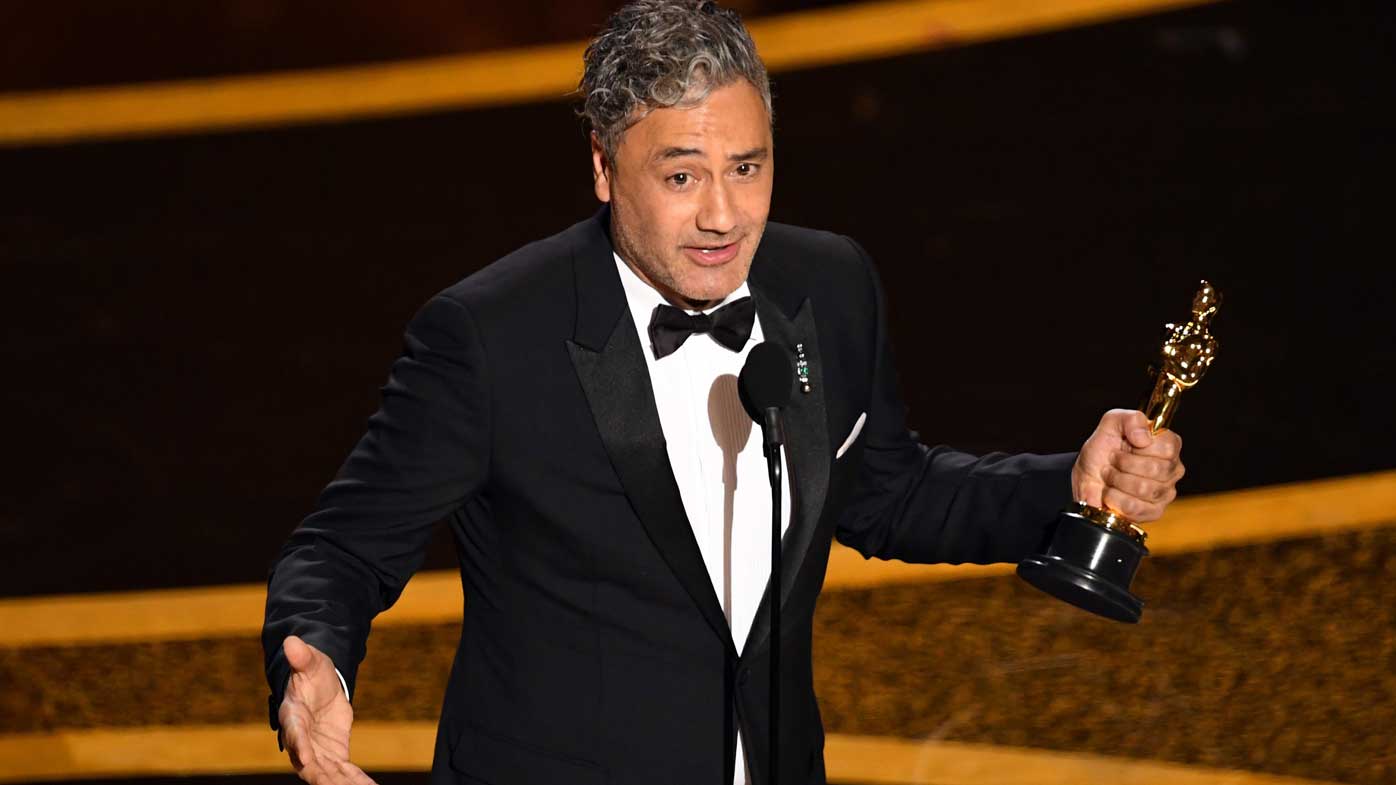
(593, 647)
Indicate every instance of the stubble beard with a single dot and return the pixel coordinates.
(640, 257)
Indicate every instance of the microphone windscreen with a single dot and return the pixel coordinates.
(766, 380)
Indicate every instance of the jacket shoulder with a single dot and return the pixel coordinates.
(816, 261)
(823, 243)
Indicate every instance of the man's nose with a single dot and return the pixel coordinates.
(717, 214)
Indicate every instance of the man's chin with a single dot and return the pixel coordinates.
(711, 286)
(709, 294)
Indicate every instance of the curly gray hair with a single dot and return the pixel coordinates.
(663, 53)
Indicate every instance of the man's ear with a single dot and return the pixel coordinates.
(601, 169)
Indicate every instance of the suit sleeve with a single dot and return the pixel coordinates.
(426, 451)
(935, 504)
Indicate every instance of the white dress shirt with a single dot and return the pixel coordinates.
(715, 451)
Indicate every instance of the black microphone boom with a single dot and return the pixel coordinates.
(764, 387)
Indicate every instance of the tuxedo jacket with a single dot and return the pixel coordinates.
(593, 648)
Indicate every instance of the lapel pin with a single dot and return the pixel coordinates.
(802, 368)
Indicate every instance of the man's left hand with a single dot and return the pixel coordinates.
(1124, 468)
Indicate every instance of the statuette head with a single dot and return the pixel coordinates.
(1205, 303)
(1190, 348)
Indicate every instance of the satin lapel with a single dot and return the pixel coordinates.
(617, 386)
(806, 451)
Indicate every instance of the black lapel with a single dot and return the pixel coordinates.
(608, 358)
(806, 429)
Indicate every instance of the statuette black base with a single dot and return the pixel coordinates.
(1090, 567)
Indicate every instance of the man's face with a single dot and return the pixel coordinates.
(690, 190)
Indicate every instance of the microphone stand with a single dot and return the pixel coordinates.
(774, 438)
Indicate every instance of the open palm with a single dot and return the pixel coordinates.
(315, 718)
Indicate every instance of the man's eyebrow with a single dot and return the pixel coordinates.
(676, 152)
(754, 154)
(669, 153)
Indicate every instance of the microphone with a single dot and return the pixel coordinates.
(764, 387)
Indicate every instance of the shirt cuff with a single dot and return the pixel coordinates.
(342, 683)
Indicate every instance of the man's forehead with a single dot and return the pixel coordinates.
(713, 137)
(729, 120)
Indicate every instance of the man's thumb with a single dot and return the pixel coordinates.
(1134, 427)
(299, 654)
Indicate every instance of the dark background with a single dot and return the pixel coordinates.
(195, 327)
(70, 43)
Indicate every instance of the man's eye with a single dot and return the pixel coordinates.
(746, 170)
(679, 179)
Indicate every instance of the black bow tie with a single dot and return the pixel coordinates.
(729, 325)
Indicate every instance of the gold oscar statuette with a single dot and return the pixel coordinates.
(1095, 552)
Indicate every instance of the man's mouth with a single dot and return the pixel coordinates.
(712, 255)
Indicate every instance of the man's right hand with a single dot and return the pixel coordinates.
(315, 718)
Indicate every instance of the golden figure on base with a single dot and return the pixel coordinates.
(1095, 552)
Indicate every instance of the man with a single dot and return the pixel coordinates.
(575, 422)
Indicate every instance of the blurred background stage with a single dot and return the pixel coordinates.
(217, 217)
